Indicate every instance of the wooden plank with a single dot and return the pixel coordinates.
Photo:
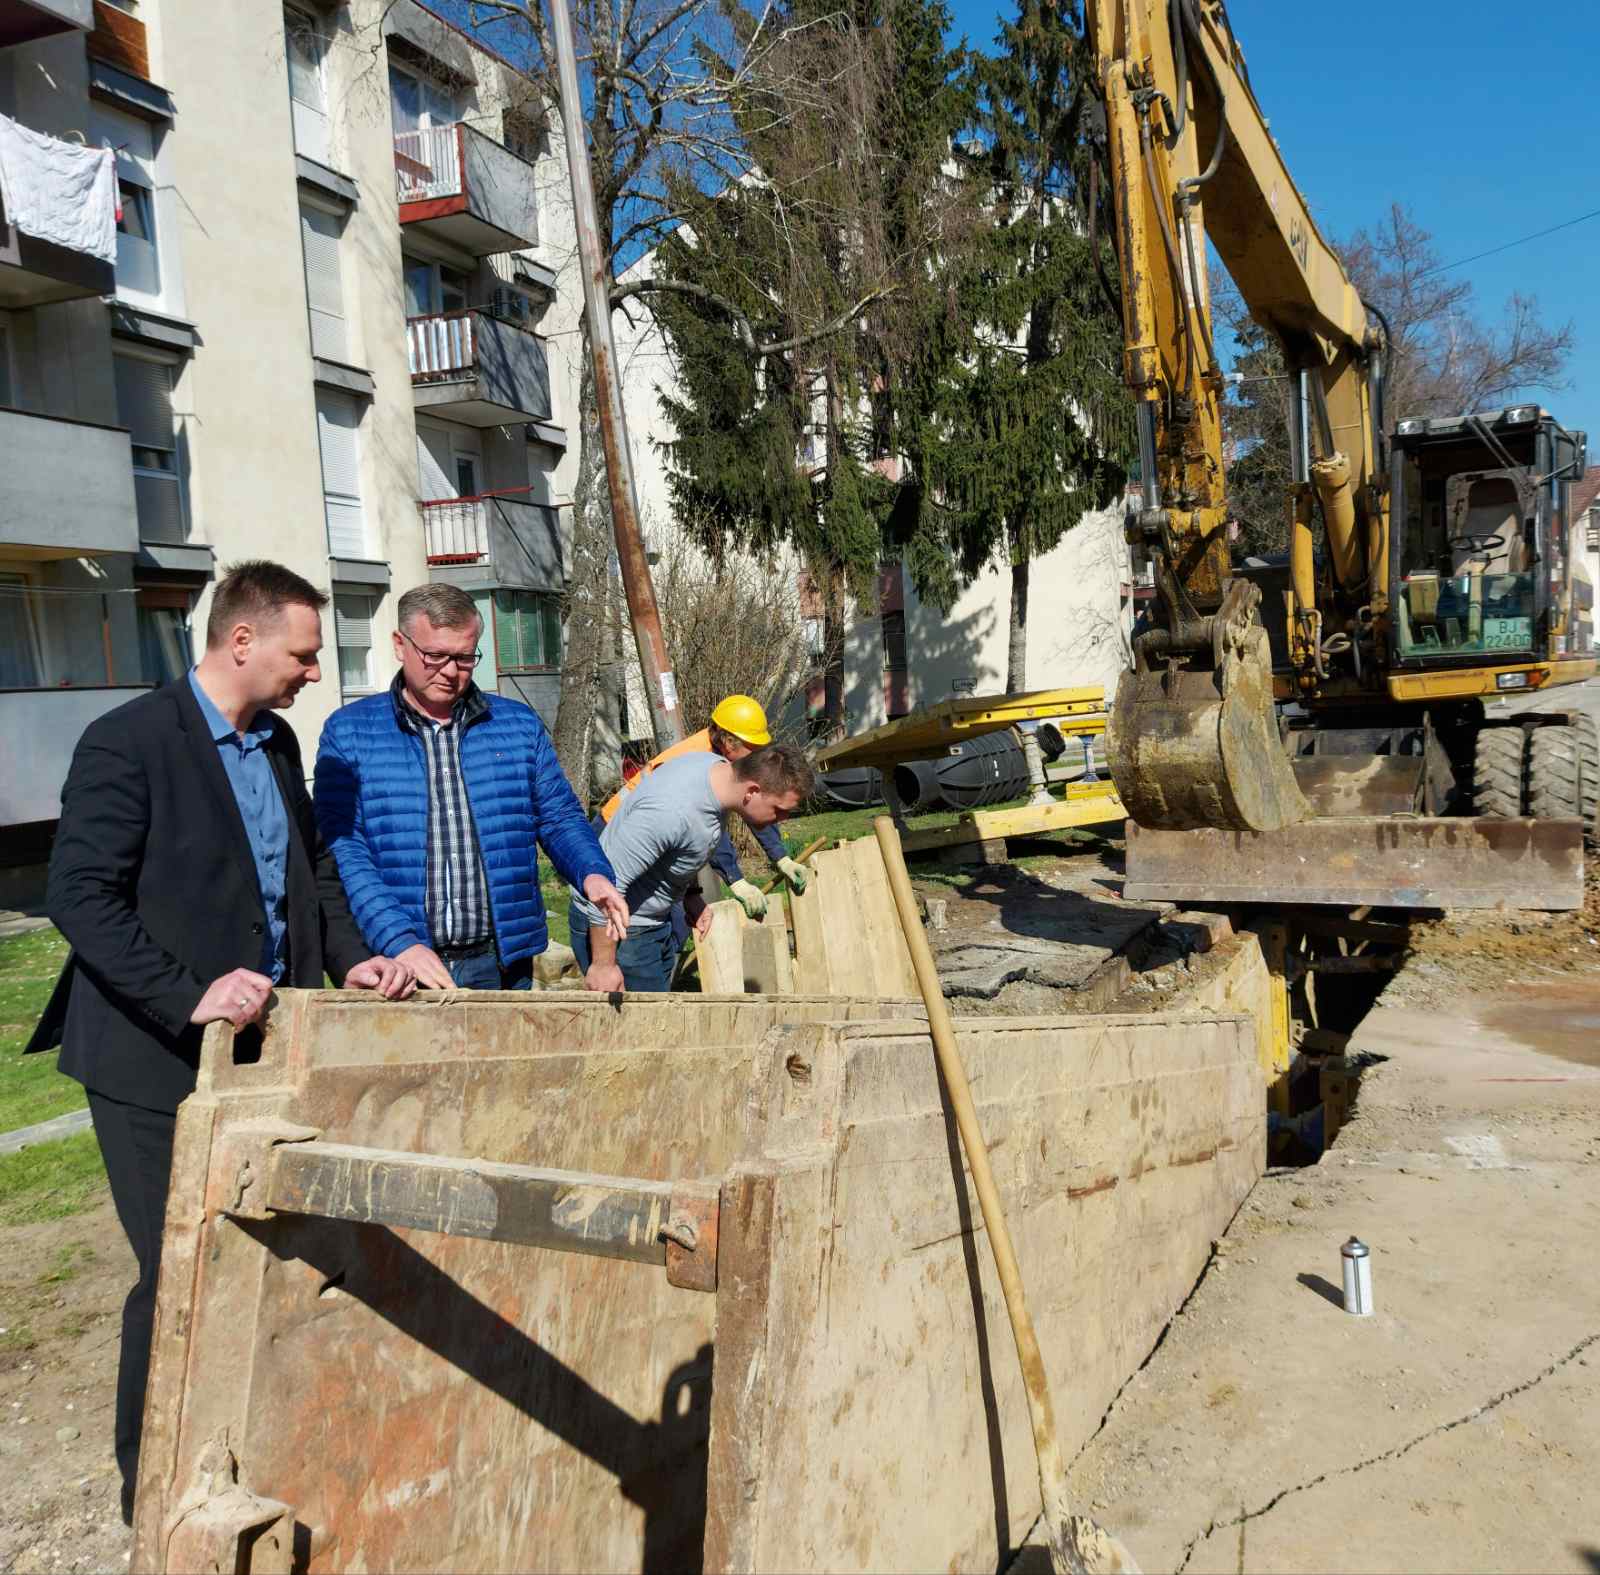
(843, 935)
(882, 938)
(812, 973)
(777, 923)
(720, 954)
(763, 973)
(606, 1216)
(1096, 804)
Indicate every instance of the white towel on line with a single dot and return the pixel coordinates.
(57, 191)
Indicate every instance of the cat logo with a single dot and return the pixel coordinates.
(1299, 240)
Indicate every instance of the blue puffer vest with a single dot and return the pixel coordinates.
(372, 807)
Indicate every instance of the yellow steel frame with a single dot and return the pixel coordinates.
(929, 733)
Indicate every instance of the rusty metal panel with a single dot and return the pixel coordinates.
(1360, 784)
(395, 1388)
(1389, 862)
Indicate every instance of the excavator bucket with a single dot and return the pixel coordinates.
(1193, 739)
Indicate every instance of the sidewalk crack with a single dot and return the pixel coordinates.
(1388, 1454)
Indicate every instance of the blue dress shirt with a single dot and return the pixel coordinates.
(266, 821)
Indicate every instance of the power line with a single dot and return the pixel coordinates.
(1522, 241)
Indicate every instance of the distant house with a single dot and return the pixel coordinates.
(1586, 523)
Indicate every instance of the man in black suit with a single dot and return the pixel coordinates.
(189, 877)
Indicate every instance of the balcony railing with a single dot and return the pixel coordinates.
(478, 368)
(460, 186)
(464, 530)
(428, 163)
(455, 530)
(441, 346)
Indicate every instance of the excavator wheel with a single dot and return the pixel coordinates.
(1589, 743)
(1497, 772)
(1555, 774)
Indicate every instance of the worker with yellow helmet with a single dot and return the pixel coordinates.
(738, 727)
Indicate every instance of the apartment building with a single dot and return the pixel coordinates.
(339, 330)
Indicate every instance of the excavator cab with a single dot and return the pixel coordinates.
(1482, 566)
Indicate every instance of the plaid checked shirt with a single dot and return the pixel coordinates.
(458, 889)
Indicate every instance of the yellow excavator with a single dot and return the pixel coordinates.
(1430, 570)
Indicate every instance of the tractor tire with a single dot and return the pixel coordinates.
(1588, 731)
(1555, 773)
(1497, 772)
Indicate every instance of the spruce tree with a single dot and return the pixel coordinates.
(809, 303)
(1033, 428)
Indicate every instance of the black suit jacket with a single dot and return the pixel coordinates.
(153, 884)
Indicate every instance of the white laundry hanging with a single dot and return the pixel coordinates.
(59, 192)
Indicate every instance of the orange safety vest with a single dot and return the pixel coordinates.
(697, 744)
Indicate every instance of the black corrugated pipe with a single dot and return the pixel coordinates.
(916, 784)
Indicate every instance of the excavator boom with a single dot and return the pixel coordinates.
(1194, 740)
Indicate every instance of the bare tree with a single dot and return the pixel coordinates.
(677, 93)
(1444, 359)
(733, 625)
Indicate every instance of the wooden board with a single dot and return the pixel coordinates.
(1090, 804)
(720, 954)
(882, 938)
(849, 966)
(812, 973)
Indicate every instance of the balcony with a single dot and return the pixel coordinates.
(476, 369)
(42, 728)
(459, 186)
(42, 259)
(23, 21)
(66, 490)
(517, 541)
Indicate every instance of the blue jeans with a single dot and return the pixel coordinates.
(484, 972)
(646, 958)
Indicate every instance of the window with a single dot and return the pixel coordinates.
(138, 234)
(144, 407)
(165, 651)
(138, 220)
(308, 106)
(319, 241)
(466, 476)
(527, 629)
(894, 641)
(417, 103)
(432, 288)
(353, 613)
(19, 639)
(338, 437)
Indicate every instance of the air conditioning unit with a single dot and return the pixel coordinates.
(511, 306)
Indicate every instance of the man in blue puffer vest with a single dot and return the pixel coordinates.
(435, 797)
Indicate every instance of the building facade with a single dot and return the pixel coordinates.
(339, 331)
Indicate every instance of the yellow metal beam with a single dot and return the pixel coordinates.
(1086, 804)
(929, 733)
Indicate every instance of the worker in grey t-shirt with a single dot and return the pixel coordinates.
(657, 843)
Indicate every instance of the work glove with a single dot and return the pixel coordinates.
(749, 897)
(794, 873)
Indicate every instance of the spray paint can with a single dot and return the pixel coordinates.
(1356, 1262)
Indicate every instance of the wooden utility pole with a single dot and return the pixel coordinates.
(665, 714)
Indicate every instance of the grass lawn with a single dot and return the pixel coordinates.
(30, 1087)
(53, 1179)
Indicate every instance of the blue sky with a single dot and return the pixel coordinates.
(1478, 116)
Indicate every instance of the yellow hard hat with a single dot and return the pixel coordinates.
(744, 718)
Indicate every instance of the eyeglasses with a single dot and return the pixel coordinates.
(436, 661)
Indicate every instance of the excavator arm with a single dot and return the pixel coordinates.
(1194, 739)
